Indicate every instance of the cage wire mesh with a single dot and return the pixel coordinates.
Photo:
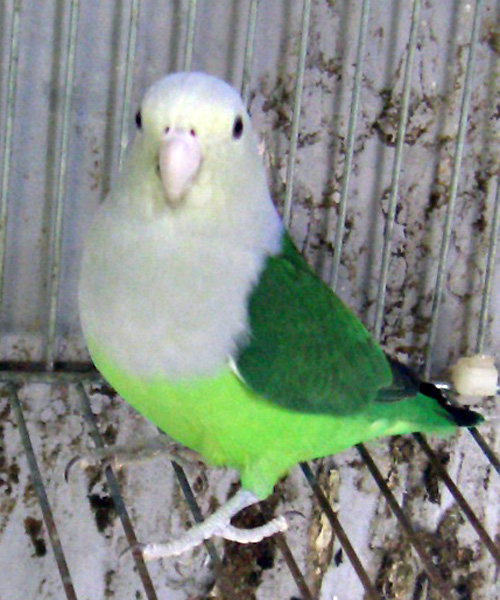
(379, 125)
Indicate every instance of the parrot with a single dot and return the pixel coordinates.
(200, 311)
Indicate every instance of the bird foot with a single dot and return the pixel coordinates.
(118, 455)
(217, 524)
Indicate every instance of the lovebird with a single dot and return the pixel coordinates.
(199, 310)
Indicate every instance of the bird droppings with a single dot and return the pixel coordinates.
(200, 484)
(279, 102)
(104, 390)
(109, 577)
(13, 473)
(9, 475)
(103, 509)
(399, 576)
(6, 469)
(29, 494)
(493, 39)
(453, 559)
(396, 576)
(431, 479)
(402, 448)
(110, 434)
(33, 528)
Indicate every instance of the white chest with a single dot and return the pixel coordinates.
(158, 302)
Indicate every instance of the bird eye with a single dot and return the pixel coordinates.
(238, 128)
(138, 119)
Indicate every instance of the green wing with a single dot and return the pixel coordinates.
(307, 351)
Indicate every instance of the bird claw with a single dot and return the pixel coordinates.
(294, 513)
(96, 457)
(136, 550)
(70, 466)
(92, 459)
(117, 456)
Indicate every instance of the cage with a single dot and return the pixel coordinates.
(379, 126)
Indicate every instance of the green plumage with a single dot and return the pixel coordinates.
(295, 402)
(306, 349)
(229, 425)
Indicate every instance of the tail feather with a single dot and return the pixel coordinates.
(460, 415)
(407, 385)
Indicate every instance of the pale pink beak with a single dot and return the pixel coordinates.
(179, 160)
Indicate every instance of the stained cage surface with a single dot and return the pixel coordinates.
(379, 124)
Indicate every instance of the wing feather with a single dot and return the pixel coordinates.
(307, 351)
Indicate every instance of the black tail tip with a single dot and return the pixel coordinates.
(464, 417)
(461, 416)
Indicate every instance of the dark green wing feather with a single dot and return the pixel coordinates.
(307, 351)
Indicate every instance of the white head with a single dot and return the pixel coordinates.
(196, 141)
(183, 235)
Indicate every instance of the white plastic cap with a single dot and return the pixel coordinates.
(475, 375)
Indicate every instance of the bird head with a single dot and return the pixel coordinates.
(195, 145)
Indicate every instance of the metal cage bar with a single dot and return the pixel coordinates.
(293, 567)
(350, 140)
(191, 28)
(249, 50)
(116, 496)
(370, 591)
(9, 124)
(457, 162)
(297, 104)
(56, 237)
(473, 519)
(135, 10)
(41, 493)
(396, 171)
(195, 511)
(431, 570)
(486, 449)
(488, 278)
